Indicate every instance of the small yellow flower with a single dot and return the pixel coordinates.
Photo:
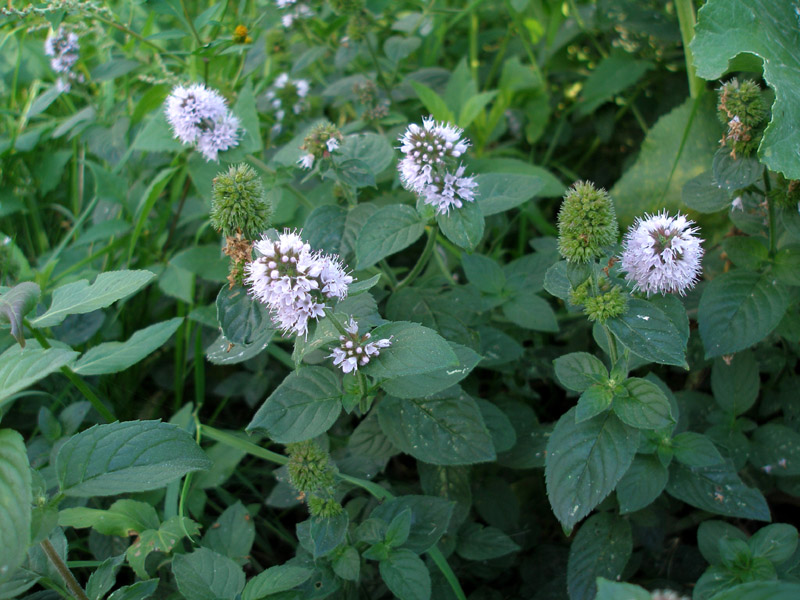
(240, 35)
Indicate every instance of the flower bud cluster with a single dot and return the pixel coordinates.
(313, 475)
(430, 167)
(607, 302)
(741, 108)
(356, 351)
(200, 116)
(587, 223)
(62, 46)
(287, 94)
(294, 281)
(238, 202)
(324, 139)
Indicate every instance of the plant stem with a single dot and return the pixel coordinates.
(422, 261)
(69, 579)
(773, 239)
(339, 327)
(685, 10)
(612, 345)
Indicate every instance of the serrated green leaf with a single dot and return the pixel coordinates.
(695, 450)
(579, 370)
(327, 533)
(642, 483)
(430, 517)
(426, 384)
(703, 194)
(15, 304)
(415, 350)
(15, 502)
(389, 230)
(733, 174)
(776, 542)
(241, 317)
(643, 405)
(20, 368)
(601, 548)
(133, 456)
(406, 575)
(206, 575)
(433, 102)
(594, 400)
(648, 332)
(463, 226)
(761, 590)
(274, 580)
(103, 578)
(232, 534)
(499, 192)
(124, 518)
(79, 297)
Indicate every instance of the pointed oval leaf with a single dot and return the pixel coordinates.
(406, 575)
(206, 575)
(601, 548)
(20, 368)
(15, 304)
(15, 502)
(649, 332)
(389, 230)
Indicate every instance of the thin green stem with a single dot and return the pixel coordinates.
(387, 271)
(773, 239)
(339, 327)
(191, 24)
(69, 579)
(685, 10)
(423, 260)
(612, 345)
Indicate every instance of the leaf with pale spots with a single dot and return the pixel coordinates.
(162, 539)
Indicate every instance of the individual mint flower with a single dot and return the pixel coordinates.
(294, 281)
(741, 108)
(354, 350)
(429, 150)
(587, 223)
(662, 254)
(200, 116)
(323, 139)
(449, 190)
(63, 47)
(239, 203)
(287, 94)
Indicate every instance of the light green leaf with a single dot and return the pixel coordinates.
(433, 102)
(302, 407)
(112, 357)
(164, 539)
(79, 297)
(157, 136)
(579, 370)
(206, 575)
(612, 590)
(123, 518)
(370, 148)
(768, 29)
(15, 502)
(643, 405)
(141, 590)
(415, 350)
(204, 261)
(473, 107)
(20, 368)
(146, 204)
(499, 192)
(274, 580)
(738, 309)
(584, 463)
(15, 304)
(601, 549)
(406, 575)
(391, 229)
(133, 456)
(463, 226)
(761, 590)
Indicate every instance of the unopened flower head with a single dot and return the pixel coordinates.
(662, 254)
(287, 94)
(742, 109)
(430, 149)
(238, 202)
(294, 281)
(356, 350)
(587, 223)
(324, 139)
(309, 467)
(449, 190)
(62, 46)
(606, 302)
(200, 116)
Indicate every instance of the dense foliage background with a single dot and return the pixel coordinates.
(161, 438)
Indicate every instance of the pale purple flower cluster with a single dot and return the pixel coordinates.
(293, 10)
(354, 351)
(287, 92)
(200, 116)
(62, 46)
(294, 281)
(662, 254)
(431, 153)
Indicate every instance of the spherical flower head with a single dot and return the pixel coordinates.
(221, 135)
(356, 350)
(449, 190)
(62, 46)
(309, 467)
(742, 109)
(662, 254)
(239, 203)
(587, 223)
(294, 281)
(323, 139)
(429, 149)
(200, 116)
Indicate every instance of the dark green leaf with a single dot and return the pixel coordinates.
(15, 502)
(611, 590)
(776, 542)
(579, 370)
(15, 304)
(206, 575)
(704, 194)
(642, 483)
(415, 350)
(406, 575)
(20, 368)
(776, 450)
(484, 273)
(476, 542)
(327, 533)
(241, 317)
(734, 173)
(387, 231)
(735, 382)
(695, 450)
(601, 548)
(648, 332)
(463, 226)
(595, 399)
(232, 534)
(275, 580)
(499, 192)
(761, 590)
(643, 405)
(420, 386)
(430, 517)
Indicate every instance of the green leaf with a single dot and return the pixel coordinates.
(370, 148)
(163, 539)
(241, 317)
(648, 331)
(389, 230)
(206, 575)
(430, 517)
(204, 261)
(473, 107)
(398, 47)
(761, 590)
(275, 580)
(735, 382)
(685, 138)
(157, 136)
(499, 192)
(146, 204)
(476, 542)
(709, 536)
(484, 273)
(643, 405)
(15, 304)
(406, 575)
(695, 450)
(415, 350)
(717, 489)
(141, 590)
(786, 265)
(20, 368)
(642, 483)
(79, 297)
(133, 456)
(398, 529)
(499, 425)
(612, 590)
(726, 28)
(15, 502)
(104, 577)
(584, 462)
(327, 533)
(444, 429)
(738, 309)
(704, 194)
(433, 102)
(353, 172)
(346, 563)
(250, 140)
(427, 384)
(112, 357)
(530, 311)
(123, 518)
(463, 226)
(232, 534)
(611, 76)
(733, 174)
(601, 548)
(776, 450)
(746, 252)
(579, 370)
(776, 542)
(594, 400)
(223, 352)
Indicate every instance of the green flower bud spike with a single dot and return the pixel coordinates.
(587, 223)
(309, 467)
(239, 204)
(608, 302)
(742, 109)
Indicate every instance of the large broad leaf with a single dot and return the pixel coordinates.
(463, 226)
(584, 463)
(274, 580)
(133, 456)
(406, 575)
(761, 590)
(426, 384)
(718, 490)
(498, 192)
(415, 350)
(389, 230)
(768, 29)
(650, 185)
(112, 357)
(738, 309)
(79, 297)
(601, 549)
(302, 407)
(444, 429)
(20, 368)
(15, 502)
(647, 331)
(15, 304)
(206, 575)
